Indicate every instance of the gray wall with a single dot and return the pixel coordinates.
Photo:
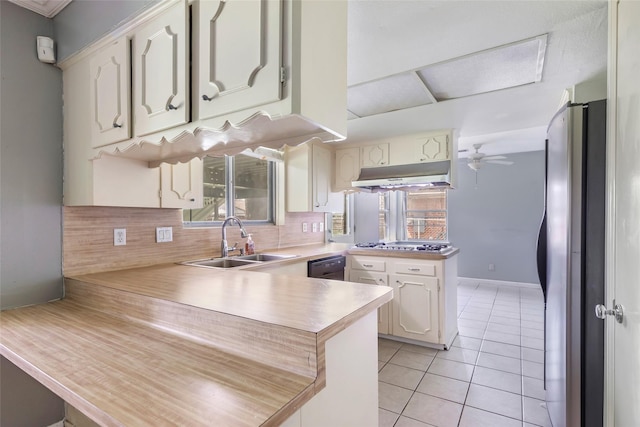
(30, 197)
(84, 21)
(496, 221)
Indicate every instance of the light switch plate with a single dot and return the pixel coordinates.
(314, 227)
(164, 234)
(305, 227)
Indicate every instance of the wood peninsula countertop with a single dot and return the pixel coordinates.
(181, 345)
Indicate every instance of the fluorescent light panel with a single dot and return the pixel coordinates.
(395, 92)
(502, 67)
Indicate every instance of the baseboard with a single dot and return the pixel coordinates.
(472, 280)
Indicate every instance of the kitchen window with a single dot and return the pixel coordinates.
(413, 215)
(240, 186)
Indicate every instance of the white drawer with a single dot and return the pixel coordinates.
(369, 264)
(419, 269)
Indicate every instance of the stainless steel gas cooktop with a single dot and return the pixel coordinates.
(405, 246)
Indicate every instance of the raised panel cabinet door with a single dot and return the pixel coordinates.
(378, 279)
(160, 65)
(181, 185)
(347, 168)
(239, 55)
(433, 148)
(374, 155)
(321, 179)
(415, 307)
(110, 74)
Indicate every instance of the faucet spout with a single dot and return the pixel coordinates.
(224, 248)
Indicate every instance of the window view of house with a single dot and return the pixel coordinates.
(240, 186)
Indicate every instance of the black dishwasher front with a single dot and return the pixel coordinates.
(327, 268)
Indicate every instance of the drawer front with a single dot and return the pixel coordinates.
(419, 269)
(368, 264)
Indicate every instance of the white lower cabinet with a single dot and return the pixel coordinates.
(379, 279)
(424, 305)
(415, 307)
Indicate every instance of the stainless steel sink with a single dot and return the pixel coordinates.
(220, 262)
(238, 261)
(265, 257)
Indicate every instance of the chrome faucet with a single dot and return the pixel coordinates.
(224, 249)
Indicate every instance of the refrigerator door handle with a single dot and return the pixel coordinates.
(541, 256)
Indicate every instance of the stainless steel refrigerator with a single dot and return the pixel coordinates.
(571, 264)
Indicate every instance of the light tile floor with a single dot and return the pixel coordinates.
(491, 376)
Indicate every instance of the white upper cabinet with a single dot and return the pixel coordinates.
(239, 55)
(308, 180)
(420, 149)
(181, 185)
(109, 94)
(374, 155)
(160, 71)
(347, 166)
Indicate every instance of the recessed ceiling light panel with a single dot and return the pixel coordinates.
(503, 67)
(395, 92)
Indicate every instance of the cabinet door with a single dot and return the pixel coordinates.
(347, 168)
(374, 155)
(378, 279)
(239, 55)
(415, 307)
(181, 185)
(110, 71)
(419, 150)
(161, 80)
(321, 179)
(433, 148)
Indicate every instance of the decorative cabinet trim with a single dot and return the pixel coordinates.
(374, 155)
(110, 95)
(239, 55)
(160, 76)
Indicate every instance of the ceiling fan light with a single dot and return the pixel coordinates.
(474, 165)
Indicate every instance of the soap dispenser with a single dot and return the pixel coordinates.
(250, 246)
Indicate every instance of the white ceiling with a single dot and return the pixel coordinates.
(392, 36)
(387, 37)
(48, 8)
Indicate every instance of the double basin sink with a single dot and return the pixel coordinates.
(237, 261)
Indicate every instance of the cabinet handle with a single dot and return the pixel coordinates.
(172, 107)
(381, 280)
(206, 98)
(367, 265)
(192, 200)
(115, 125)
(414, 269)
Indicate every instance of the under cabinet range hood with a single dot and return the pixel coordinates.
(404, 177)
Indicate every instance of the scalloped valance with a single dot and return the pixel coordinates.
(259, 130)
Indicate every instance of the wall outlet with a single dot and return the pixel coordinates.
(164, 234)
(119, 236)
(321, 227)
(492, 267)
(314, 227)
(305, 227)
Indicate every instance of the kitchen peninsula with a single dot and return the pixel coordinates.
(179, 345)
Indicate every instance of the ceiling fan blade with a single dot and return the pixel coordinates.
(500, 162)
(495, 157)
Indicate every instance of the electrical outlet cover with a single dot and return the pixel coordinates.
(119, 236)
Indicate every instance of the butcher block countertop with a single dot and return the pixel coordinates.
(180, 345)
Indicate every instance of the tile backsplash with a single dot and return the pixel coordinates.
(88, 237)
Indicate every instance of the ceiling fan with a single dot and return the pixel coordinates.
(477, 159)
